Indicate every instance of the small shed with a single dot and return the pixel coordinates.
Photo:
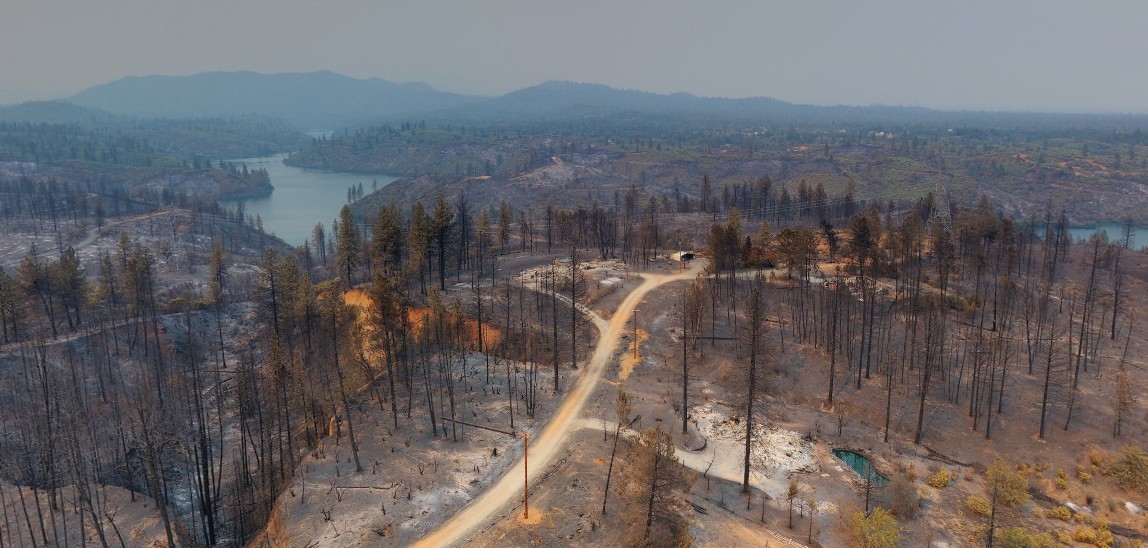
(682, 256)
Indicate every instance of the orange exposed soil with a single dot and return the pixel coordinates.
(417, 317)
(629, 360)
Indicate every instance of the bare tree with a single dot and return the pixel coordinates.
(814, 509)
(442, 228)
(577, 291)
(337, 313)
(622, 408)
(1050, 366)
(347, 245)
(791, 494)
(1005, 487)
(657, 488)
(689, 314)
(754, 339)
(1124, 398)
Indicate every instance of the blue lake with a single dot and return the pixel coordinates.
(302, 197)
(1115, 233)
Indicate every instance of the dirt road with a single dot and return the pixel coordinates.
(544, 446)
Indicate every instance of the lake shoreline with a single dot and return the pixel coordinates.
(300, 197)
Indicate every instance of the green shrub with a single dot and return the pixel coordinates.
(1044, 540)
(1100, 537)
(1011, 486)
(979, 505)
(941, 478)
(1061, 513)
(1131, 470)
(1017, 537)
(877, 530)
(1014, 537)
(1086, 535)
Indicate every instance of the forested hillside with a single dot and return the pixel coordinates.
(1096, 173)
(51, 131)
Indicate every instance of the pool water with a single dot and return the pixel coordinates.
(860, 464)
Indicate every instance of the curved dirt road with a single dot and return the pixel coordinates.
(544, 446)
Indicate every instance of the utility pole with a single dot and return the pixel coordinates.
(525, 475)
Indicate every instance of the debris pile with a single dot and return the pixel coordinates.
(775, 452)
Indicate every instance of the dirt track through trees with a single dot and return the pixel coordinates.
(547, 444)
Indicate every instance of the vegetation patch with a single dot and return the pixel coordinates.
(941, 479)
(1131, 470)
(878, 529)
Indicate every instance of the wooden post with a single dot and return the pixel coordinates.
(525, 475)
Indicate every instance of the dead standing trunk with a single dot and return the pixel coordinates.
(755, 332)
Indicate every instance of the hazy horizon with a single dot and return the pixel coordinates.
(1052, 56)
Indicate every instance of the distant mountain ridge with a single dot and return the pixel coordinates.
(557, 95)
(556, 100)
(311, 101)
(329, 101)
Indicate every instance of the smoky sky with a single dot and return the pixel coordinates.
(1050, 55)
